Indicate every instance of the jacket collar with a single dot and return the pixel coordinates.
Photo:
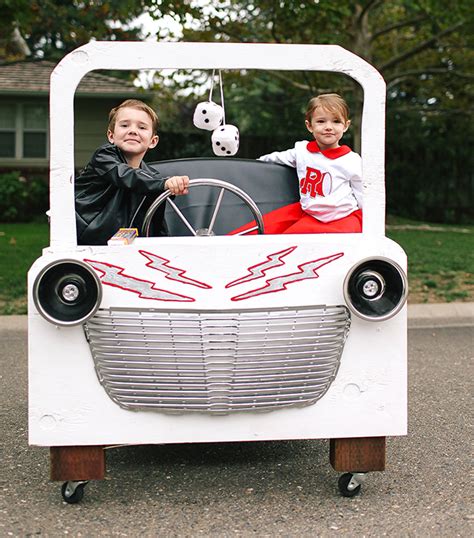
(143, 165)
(332, 153)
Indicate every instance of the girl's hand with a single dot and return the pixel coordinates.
(177, 184)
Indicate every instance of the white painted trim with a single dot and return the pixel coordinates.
(133, 55)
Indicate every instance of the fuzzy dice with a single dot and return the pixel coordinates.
(208, 115)
(225, 141)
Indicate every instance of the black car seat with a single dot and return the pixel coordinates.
(269, 185)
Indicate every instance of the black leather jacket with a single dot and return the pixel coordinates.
(110, 195)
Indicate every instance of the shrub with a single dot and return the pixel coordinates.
(21, 200)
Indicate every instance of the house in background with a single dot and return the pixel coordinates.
(24, 115)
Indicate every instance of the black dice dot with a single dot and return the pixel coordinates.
(206, 120)
(223, 148)
(228, 152)
(204, 111)
(218, 143)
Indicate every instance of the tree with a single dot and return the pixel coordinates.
(52, 28)
(422, 49)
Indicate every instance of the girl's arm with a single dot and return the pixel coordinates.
(287, 157)
(356, 183)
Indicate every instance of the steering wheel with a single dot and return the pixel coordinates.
(216, 183)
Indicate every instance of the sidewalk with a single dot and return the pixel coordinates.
(419, 316)
(440, 315)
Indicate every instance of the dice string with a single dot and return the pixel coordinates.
(221, 85)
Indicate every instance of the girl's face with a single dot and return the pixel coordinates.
(133, 132)
(327, 128)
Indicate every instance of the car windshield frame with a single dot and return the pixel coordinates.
(208, 56)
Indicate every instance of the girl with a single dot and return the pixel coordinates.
(329, 176)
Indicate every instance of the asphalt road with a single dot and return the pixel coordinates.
(258, 489)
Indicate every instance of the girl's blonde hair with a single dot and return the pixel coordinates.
(139, 105)
(329, 101)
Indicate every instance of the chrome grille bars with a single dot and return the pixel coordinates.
(217, 362)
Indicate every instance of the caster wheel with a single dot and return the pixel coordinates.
(73, 492)
(347, 486)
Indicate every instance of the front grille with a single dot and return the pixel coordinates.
(217, 362)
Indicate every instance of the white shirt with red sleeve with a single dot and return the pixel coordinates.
(330, 180)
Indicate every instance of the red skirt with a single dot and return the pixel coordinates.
(291, 219)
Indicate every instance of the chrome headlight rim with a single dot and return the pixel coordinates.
(403, 283)
(72, 286)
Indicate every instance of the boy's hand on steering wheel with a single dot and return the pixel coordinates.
(177, 184)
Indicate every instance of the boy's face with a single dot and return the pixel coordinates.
(327, 128)
(133, 132)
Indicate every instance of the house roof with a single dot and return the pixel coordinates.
(32, 78)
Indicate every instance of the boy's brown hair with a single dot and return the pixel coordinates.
(134, 103)
(329, 101)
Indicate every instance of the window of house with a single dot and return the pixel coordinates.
(7, 131)
(23, 131)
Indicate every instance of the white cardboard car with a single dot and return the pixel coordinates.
(216, 338)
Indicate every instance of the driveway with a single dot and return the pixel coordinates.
(257, 489)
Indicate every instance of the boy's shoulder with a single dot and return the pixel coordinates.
(107, 152)
(107, 148)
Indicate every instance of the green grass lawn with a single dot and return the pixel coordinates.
(440, 262)
(20, 246)
(440, 258)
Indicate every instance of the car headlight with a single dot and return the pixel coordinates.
(67, 292)
(375, 289)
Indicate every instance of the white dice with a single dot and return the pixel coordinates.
(208, 115)
(225, 141)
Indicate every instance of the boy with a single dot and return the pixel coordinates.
(116, 187)
(329, 176)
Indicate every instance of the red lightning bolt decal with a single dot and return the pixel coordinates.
(113, 275)
(172, 273)
(306, 271)
(259, 270)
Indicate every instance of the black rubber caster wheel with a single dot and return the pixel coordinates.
(73, 492)
(343, 485)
